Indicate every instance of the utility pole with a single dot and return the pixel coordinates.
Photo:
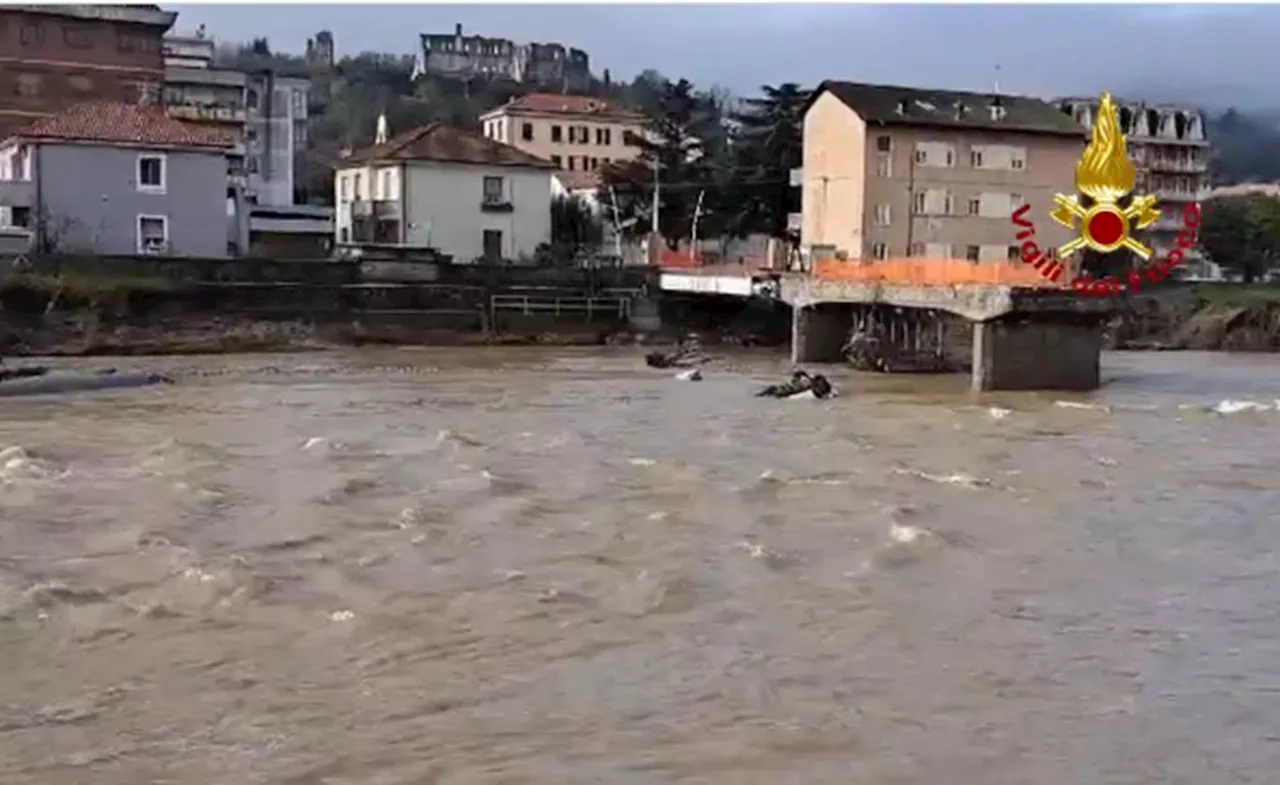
(911, 201)
(693, 235)
(617, 226)
(656, 200)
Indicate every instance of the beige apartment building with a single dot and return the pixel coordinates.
(891, 172)
(579, 134)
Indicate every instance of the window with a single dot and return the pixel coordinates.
(883, 215)
(938, 154)
(355, 185)
(151, 174)
(252, 166)
(153, 234)
(595, 164)
(975, 159)
(555, 159)
(386, 184)
(570, 160)
(879, 251)
(251, 99)
(555, 133)
(604, 136)
(916, 249)
(1019, 160)
(631, 139)
(972, 252)
(493, 190)
(78, 36)
(526, 131)
(584, 135)
(344, 235)
(975, 206)
(1015, 201)
(884, 166)
(884, 144)
(1015, 253)
(31, 34)
(933, 202)
(28, 85)
(342, 188)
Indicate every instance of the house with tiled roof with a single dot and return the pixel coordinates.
(118, 179)
(579, 134)
(890, 172)
(444, 188)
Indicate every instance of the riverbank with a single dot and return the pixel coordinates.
(1208, 317)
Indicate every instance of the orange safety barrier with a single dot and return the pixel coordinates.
(935, 272)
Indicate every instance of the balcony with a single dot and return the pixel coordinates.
(208, 113)
(1180, 195)
(1157, 164)
(17, 193)
(495, 204)
(381, 209)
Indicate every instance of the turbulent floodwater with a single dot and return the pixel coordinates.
(564, 568)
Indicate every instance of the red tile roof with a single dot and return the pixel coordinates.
(578, 181)
(443, 143)
(556, 104)
(132, 125)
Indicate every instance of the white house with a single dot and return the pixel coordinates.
(464, 195)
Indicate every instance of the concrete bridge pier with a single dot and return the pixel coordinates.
(819, 332)
(1045, 352)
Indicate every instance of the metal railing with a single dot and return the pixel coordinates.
(556, 306)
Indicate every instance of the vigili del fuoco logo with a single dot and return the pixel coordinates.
(1106, 176)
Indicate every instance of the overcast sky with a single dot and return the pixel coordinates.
(1220, 54)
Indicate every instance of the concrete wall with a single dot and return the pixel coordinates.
(90, 199)
(1036, 355)
(832, 195)
(442, 203)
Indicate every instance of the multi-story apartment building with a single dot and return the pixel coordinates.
(1170, 149)
(196, 91)
(457, 55)
(264, 111)
(275, 135)
(577, 133)
(54, 56)
(890, 172)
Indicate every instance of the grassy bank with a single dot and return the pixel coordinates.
(79, 313)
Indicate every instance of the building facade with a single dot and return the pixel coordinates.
(275, 136)
(892, 172)
(577, 133)
(53, 56)
(466, 56)
(1170, 148)
(118, 179)
(438, 187)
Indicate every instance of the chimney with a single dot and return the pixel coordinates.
(380, 133)
(902, 107)
(457, 29)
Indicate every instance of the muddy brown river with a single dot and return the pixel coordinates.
(526, 566)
